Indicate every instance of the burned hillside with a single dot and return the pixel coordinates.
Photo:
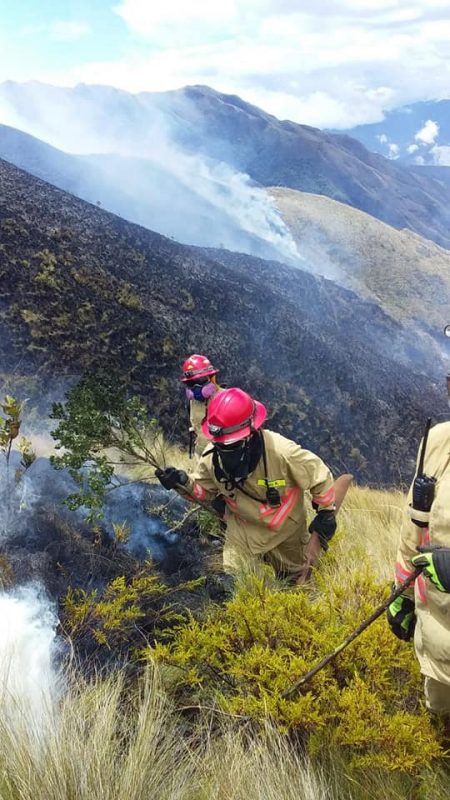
(83, 289)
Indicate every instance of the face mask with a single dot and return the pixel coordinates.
(240, 461)
(234, 461)
(198, 392)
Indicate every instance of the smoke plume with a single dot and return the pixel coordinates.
(134, 164)
(29, 682)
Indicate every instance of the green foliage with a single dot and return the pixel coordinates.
(46, 276)
(127, 297)
(245, 654)
(10, 422)
(99, 427)
(26, 449)
(209, 524)
(123, 615)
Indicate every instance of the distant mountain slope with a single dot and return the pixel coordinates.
(417, 131)
(408, 275)
(141, 191)
(202, 123)
(81, 288)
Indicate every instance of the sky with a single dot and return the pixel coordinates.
(318, 62)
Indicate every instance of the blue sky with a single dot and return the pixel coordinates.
(331, 63)
(48, 37)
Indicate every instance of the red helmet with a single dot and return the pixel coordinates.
(232, 415)
(197, 366)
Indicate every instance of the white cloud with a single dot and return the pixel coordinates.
(147, 17)
(67, 30)
(334, 63)
(58, 30)
(394, 150)
(382, 138)
(429, 132)
(441, 155)
(413, 148)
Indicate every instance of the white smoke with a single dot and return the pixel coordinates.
(29, 682)
(179, 193)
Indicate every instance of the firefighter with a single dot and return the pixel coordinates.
(423, 611)
(262, 478)
(199, 379)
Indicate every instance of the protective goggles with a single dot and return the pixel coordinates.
(196, 382)
(191, 373)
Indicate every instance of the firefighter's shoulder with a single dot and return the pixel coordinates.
(438, 445)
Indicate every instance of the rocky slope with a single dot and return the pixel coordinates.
(81, 288)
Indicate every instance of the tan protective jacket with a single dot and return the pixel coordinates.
(197, 413)
(432, 635)
(252, 525)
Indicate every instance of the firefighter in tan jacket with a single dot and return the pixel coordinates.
(200, 383)
(262, 478)
(423, 611)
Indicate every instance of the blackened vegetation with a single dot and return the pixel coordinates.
(83, 289)
(40, 540)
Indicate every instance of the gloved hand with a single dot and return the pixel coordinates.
(401, 617)
(435, 562)
(324, 524)
(171, 476)
(219, 505)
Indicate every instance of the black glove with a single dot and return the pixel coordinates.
(401, 617)
(435, 563)
(219, 505)
(324, 524)
(171, 476)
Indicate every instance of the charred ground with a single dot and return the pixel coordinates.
(82, 289)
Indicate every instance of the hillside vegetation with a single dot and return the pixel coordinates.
(408, 275)
(109, 738)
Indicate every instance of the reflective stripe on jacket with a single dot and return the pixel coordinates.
(432, 634)
(252, 523)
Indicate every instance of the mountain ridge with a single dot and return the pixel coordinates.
(270, 152)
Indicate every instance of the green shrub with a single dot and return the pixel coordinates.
(244, 655)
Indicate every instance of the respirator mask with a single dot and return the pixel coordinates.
(239, 459)
(200, 389)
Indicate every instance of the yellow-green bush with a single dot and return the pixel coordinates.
(125, 612)
(244, 655)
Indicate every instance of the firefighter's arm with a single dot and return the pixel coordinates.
(410, 539)
(309, 472)
(200, 486)
(197, 487)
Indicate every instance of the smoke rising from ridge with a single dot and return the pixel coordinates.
(140, 170)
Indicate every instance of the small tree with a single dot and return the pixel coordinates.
(100, 428)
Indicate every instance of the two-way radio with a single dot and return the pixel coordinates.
(423, 488)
